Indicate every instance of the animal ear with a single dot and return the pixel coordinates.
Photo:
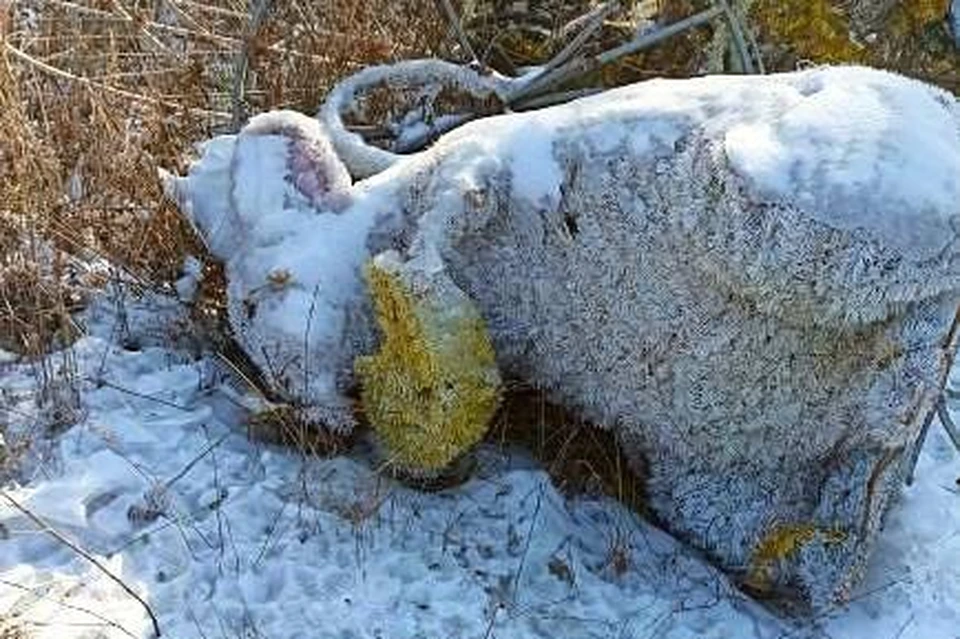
(285, 161)
(203, 196)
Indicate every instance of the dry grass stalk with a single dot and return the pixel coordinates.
(580, 458)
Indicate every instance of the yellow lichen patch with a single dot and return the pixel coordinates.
(781, 543)
(911, 37)
(814, 29)
(433, 387)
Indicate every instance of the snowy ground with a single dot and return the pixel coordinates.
(252, 540)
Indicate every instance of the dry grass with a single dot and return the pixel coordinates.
(581, 458)
(10, 630)
(95, 95)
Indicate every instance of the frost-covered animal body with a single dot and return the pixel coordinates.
(753, 280)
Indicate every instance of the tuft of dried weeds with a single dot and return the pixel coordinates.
(11, 630)
(95, 96)
(581, 458)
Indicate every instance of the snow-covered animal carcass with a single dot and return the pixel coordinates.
(753, 280)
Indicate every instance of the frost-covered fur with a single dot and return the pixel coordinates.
(751, 279)
(276, 205)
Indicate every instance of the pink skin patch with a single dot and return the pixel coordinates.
(312, 165)
(313, 168)
(307, 170)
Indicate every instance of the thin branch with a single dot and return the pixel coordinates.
(561, 97)
(751, 36)
(649, 39)
(592, 22)
(457, 25)
(99, 381)
(526, 548)
(306, 341)
(582, 66)
(947, 422)
(193, 462)
(739, 42)
(242, 64)
(918, 446)
(93, 613)
(47, 528)
(582, 22)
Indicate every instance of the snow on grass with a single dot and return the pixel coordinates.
(226, 537)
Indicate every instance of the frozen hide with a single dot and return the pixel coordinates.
(275, 204)
(753, 280)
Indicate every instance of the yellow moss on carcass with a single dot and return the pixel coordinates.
(781, 543)
(433, 387)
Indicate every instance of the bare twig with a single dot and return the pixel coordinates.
(739, 42)
(582, 66)
(193, 462)
(592, 22)
(447, 9)
(102, 382)
(744, 23)
(242, 64)
(60, 537)
(940, 411)
(561, 97)
(582, 21)
(93, 613)
(306, 341)
(947, 422)
(526, 548)
(918, 445)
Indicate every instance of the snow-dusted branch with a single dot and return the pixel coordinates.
(583, 65)
(455, 23)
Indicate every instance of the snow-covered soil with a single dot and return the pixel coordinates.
(227, 537)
